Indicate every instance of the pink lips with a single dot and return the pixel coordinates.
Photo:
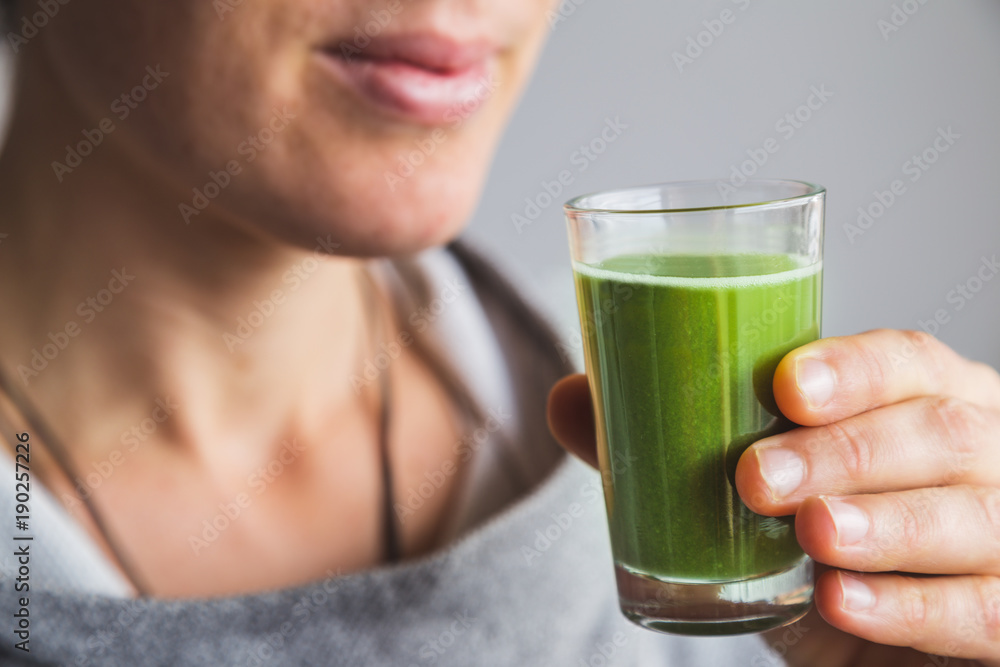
(427, 79)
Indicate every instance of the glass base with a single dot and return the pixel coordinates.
(717, 608)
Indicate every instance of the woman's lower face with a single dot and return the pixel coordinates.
(371, 122)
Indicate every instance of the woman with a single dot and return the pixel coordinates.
(252, 444)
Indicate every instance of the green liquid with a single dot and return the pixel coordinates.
(681, 355)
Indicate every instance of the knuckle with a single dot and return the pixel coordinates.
(933, 352)
(909, 531)
(854, 448)
(987, 601)
(960, 425)
(931, 355)
(987, 499)
(991, 380)
(920, 605)
(916, 527)
(875, 364)
(816, 440)
(918, 339)
(922, 340)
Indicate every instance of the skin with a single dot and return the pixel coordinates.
(320, 180)
(906, 433)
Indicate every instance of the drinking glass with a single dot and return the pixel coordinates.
(689, 295)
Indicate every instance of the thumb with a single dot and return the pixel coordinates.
(571, 417)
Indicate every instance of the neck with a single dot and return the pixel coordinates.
(111, 302)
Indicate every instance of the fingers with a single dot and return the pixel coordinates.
(571, 417)
(833, 378)
(915, 444)
(951, 616)
(950, 530)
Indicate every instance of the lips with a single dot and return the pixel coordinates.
(422, 78)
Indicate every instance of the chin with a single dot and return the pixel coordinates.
(408, 230)
(428, 210)
(379, 227)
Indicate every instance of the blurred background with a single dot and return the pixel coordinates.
(857, 94)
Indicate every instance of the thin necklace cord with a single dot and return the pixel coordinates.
(392, 549)
(391, 539)
(40, 426)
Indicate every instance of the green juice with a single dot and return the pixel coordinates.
(681, 352)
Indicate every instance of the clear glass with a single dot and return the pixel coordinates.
(689, 295)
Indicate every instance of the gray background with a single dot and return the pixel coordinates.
(890, 95)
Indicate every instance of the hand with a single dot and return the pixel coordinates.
(896, 469)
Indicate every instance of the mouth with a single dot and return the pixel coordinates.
(426, 79)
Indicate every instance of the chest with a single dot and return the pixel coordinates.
(314, 506)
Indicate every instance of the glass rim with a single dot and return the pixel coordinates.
(572, 206)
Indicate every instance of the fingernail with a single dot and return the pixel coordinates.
(815, 381)
(782, 470)
(856, 594)
(850, 521)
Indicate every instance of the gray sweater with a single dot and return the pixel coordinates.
(526, 580)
